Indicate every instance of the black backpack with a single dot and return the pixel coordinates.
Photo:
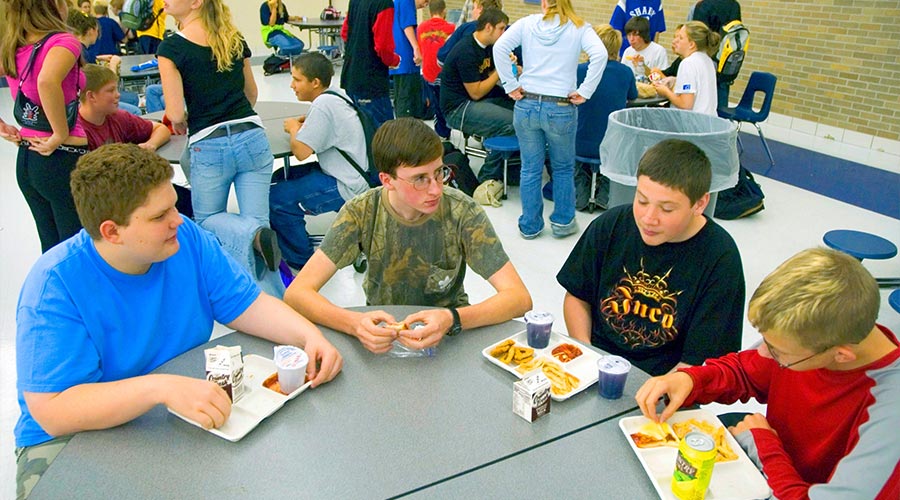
(746, 198)
(274, 64)
(463, 177)
(370, 175)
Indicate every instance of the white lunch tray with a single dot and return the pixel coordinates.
(257, 403)
(584, 367)
(735, 480)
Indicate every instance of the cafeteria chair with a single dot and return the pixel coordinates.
(861, 246)
(506, 145)
(595, 171)
(743, 112)
(894, 300)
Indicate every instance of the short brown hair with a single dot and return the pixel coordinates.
(111, 182)
(314, 65)
(81, 23)
(405, 142)
(821, 297)
(639, 25)
(436, 7)
(680, 165)
(490, 4)
(95, 77)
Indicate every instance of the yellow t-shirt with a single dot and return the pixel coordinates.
(159, 27)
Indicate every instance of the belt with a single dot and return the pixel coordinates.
(80, 150)
(225, 130)
(547, 98)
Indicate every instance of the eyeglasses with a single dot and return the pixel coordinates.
(423, 181)
(782, 365)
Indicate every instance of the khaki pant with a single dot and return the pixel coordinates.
(32, 462)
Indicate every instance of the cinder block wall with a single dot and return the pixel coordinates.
(837, 61)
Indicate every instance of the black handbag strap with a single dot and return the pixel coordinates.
(37, 47)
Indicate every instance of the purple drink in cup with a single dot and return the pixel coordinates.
(538, 325)
(613, 372)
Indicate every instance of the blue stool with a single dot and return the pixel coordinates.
(595, 169)
(505, 145)
(863, 246)
(894, 300)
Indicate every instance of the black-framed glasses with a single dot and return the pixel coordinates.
(422, 182)
(782, 365)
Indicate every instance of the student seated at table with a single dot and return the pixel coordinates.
(419, 236)
(138, 286)
(643, 54)
(273, 15)
(695, 86)
(829, 374)
(658, 282)
(104, 122)
(330, 130)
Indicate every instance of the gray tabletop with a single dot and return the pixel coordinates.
(647, 102)
(126, 73)
(597, 462)
(384, 427)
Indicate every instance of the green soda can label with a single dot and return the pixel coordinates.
(693, 466)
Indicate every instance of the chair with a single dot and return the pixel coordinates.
(743, 112)
(595, 170)
(894, 300)
(861, 246)
(505, 145)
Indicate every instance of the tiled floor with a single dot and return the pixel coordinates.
(793, 220)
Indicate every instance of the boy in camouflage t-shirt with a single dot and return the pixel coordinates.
(419, 236)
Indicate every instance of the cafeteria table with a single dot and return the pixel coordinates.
(383, 427)
(329, 31)
(137, 81)
(597, 462)
(648, 102)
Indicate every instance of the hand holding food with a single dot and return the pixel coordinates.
(373, 333)
(676, 385)
(426, 328)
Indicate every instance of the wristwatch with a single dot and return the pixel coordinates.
(457, 325)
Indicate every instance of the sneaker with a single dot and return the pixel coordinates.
(532, 235)
(563, 230)
(266, 246)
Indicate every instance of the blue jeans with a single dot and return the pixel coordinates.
(235, 233)
(379, 108)
(286, 45)
(243, 159)
(433, 94)
(310, 191)
(153, 96)
(542, 126)
(490, 117)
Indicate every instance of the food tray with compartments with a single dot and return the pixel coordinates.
(257, 403)
(737, 479)
(584, 366)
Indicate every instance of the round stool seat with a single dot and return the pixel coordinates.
(502, 144)
(587, 159)
(894, 300)
(859, 244)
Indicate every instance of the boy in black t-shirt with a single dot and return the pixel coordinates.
(657, 282)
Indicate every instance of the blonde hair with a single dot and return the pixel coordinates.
(565, 11)
(224, 39)
(24, 17)
(705, 39)
(821, 297)
(611, 38)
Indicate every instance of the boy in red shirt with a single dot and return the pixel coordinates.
(829, 375)
(432, 35)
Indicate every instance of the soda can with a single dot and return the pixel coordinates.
(693, 466)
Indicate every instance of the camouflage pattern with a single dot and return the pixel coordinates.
(415, 263)
(32, 462)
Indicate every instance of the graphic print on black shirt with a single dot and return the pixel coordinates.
(641, 310)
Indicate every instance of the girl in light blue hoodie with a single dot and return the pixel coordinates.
(545, 116)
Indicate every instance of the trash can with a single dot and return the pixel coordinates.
(632, 131)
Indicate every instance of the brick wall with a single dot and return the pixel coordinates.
(837, 61)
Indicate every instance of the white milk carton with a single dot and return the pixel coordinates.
(531, 396)
(225, 366)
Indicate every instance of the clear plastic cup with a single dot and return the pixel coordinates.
(613, 371)
(538, 325)
(290, 362)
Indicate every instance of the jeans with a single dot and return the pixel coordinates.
(433, 94)
(378, 108)
(542, 126)
(236, 233)
(244, 159)
(490, 117)
(44, 182)
(131, 108)
(153, 96)
(308, 190)
(148, 44)
(286, 45)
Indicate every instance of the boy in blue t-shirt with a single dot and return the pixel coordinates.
(138, 286)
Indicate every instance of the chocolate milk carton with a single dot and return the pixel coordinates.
(225, 366)
(531, 396)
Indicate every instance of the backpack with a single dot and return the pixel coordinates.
(275, 64)
(370, 175)
(463, 177)
(330, 13)
(732, 48)
(746, 198)
(138, 14)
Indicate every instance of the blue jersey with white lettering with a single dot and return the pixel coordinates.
(626, 9)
